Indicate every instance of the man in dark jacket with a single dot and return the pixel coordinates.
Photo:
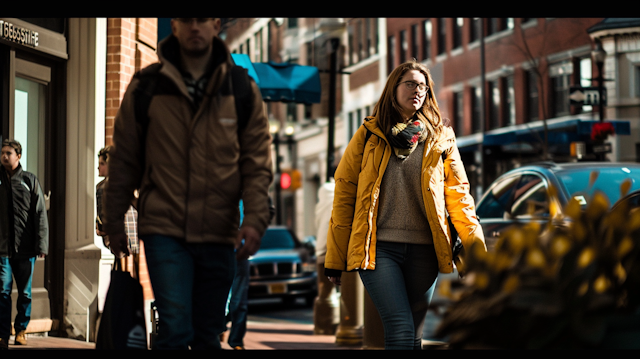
(24, 235)
(191, 173)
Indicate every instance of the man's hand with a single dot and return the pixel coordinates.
(251, 242)
(118, 245)
(335, 280)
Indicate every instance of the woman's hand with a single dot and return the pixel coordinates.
(335, 280)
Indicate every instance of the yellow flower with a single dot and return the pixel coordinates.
(625, 246)
(598, 206)
(582, 290)
(573, 209)
(620, 273)
(560, 246)
(586, 257)
(511, 284)
(601, 284)
(536, 259)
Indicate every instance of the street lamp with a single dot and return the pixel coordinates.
(274, 128)
(598, 55)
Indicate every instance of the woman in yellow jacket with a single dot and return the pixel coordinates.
(399, 176)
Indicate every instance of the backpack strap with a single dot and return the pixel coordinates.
(242, 95)
(142, 99)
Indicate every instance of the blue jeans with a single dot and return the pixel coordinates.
(238, 305)
(190, 284)
(401, 287)
(22, 270)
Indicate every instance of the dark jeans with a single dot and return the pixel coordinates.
(239, 305)
(190, 284)
(401, 287)
(22, 270)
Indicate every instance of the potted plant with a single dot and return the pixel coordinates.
(576, 286)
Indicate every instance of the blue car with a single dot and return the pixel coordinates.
(520, 195)
(284, 267)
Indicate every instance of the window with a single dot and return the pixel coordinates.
(509, 102)
(474, 29)
(352, 56)
(495, 25)
(442, 35)
(391, 63)
(560, 75)
(497, 203)
(373, 36)
(414, 41)
(404, 46)
(257, 43)
(533, 96)
(585, 79)
(292, 23)
(363, 50)
(458, 113)
(530, 198)
(477, 117)
(457, 32)
(292, 112)
(494, 103)
(426, 46)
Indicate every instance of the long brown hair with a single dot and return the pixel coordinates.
(388, 111)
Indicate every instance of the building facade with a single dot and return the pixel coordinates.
(62, 80)
(506, 84)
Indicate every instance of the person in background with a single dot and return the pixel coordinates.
(131, 217)
(238, 301)
(24, 235)
(393, 189)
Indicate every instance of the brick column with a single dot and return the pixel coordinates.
(131, 45)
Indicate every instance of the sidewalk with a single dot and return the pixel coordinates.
(260, 336)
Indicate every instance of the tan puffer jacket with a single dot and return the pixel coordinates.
(351, 241)
(197, 167)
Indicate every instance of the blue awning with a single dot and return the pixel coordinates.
(283, 82)
(559, 132)
(244, 61)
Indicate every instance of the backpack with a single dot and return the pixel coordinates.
(145, 91)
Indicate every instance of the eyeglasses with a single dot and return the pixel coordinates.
(190, 20)
(412, 85)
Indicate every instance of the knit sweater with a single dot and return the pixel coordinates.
(401, 214)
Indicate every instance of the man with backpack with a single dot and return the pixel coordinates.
(193, 153)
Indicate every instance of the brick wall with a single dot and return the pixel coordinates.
(131, 45)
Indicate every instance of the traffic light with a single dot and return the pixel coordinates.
(290, 180)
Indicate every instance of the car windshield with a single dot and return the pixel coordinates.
(276, 238)
(576, 182)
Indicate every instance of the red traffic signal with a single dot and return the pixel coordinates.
(290, 180)
(285, 180)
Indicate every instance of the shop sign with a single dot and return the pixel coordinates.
(18, 34)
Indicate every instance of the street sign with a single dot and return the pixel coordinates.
(587, 96)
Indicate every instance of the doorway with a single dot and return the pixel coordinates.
(27, 122)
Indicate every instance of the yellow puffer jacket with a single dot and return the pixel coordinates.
(351, 240)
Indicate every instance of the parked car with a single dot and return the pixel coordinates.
(632, 200)
(520, 195)
(284, 267)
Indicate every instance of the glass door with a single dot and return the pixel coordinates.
(27, 126)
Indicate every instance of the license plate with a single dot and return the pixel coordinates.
(278, 288)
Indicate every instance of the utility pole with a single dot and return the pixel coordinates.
(333, 73)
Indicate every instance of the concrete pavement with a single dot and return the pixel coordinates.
(261, 335)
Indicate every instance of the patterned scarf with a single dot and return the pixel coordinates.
(404, 137)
